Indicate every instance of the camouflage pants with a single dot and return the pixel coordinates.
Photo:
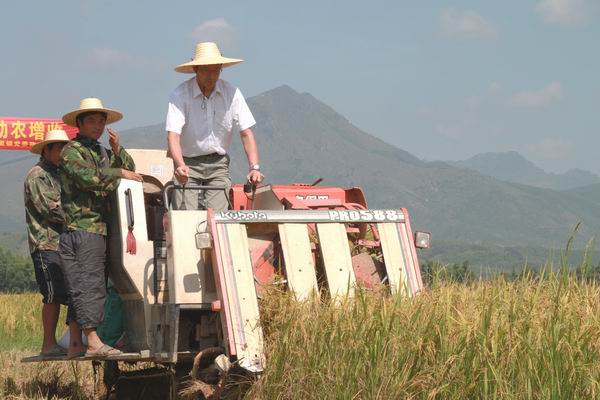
(208, 170)
(83, 257)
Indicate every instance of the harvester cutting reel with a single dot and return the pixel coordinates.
(318, 254)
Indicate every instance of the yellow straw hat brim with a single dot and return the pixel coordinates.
(206, 53)
(188, 68)
(112, 116)
(91, 104)
(55, 136)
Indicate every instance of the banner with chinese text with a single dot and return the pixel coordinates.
(22, 133)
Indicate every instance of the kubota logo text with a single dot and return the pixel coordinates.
(243, 215)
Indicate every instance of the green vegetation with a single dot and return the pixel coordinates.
(20, 321)
(529, 334)
(528, 338)
(16, 272)
(485, 259)
(20, 336)
(15, 241)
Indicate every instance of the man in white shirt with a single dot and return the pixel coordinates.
(203, 112)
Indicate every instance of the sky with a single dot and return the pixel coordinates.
(444, 80)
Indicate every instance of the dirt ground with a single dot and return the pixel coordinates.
(48, 380)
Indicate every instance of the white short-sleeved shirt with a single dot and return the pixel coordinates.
(206, 130)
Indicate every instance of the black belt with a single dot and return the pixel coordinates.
(206, 155)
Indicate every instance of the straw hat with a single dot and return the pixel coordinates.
(54, 136)
(151, 185)
(207, 53)
(88, 105)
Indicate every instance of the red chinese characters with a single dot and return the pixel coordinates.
(22, 133)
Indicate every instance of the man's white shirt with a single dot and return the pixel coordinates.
(206, 124)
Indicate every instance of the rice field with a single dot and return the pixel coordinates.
(524, 339)
(20, 336)
(20, 321)
(532, 338)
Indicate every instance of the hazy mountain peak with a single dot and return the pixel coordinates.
(283, 90)
(511, 166)
(502, 157)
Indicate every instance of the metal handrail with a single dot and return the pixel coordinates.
(170, 187)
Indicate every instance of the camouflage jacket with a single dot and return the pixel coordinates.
(87, 179)
(43, 212)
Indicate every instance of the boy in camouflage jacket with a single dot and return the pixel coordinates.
(45, 219)
(89, 174)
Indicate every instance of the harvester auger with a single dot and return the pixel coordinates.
(191, 288)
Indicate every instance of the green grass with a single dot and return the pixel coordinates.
(20, 321)
(21, 336)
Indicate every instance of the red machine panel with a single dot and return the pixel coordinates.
(303, 196)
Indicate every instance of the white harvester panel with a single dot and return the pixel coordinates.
(337, 262)
(395, 260)
(299, 262)
(413, 269)
(138, 266)
(189, 270)
(236, 280)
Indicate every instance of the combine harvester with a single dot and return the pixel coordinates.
(191, 280)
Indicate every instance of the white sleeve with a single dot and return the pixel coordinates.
(175, 113)
(242, 115)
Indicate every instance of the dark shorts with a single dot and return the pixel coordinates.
(49, 277)
(83, 257)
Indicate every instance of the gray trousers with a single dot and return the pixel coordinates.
(83, 257)
(209, 170)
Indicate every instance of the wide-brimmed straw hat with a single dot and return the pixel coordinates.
(151, 185)
(91, 104)
(207, 53)
(54, 136)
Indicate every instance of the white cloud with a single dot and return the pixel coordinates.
(564, 12)
(538, 98)
(107, 57)
(216, 30)
(467, 24)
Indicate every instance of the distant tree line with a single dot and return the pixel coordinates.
(434, 271)
(16, 273)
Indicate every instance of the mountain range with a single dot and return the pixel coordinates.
(511, 166)
(302, 139)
